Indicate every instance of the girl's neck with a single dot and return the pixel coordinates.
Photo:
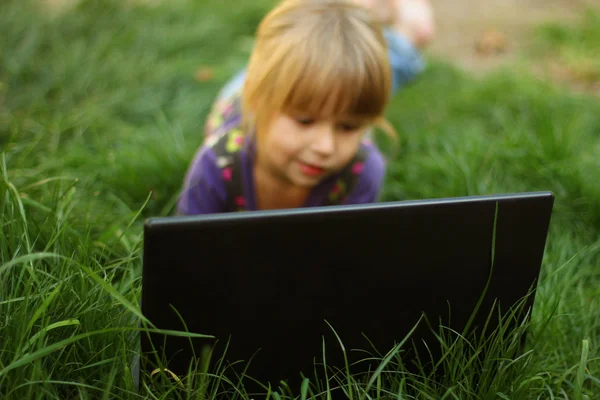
(272, 192)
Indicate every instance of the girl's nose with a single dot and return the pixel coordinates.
(324, 141)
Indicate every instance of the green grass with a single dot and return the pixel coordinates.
(576, 49)
(100, 115)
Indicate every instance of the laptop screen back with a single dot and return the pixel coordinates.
(266, 284)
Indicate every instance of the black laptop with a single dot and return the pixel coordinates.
(273, 287)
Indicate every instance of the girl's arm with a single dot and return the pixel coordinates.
(204, 191)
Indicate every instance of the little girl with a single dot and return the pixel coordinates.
(290, 130)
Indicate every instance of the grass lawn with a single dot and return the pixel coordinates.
(101, 110)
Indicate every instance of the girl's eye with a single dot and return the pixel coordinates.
(348, 127)
(305, 121)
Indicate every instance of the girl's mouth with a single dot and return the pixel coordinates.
(311, 170)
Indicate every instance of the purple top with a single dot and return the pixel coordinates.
(204, 189)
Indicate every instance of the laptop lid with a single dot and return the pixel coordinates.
(271, 285)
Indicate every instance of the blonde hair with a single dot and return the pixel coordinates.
(318, 56)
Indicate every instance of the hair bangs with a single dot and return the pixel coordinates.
(332, 81)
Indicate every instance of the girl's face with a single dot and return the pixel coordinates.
(302, 150)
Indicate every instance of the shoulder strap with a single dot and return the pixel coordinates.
(348, 179)
(227, 149)
(226, 138)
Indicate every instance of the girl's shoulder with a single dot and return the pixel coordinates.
(226, 112)
(214, 181)
(224, 116)
(360, 181)
(374, 161)
(215, 169)
(366, 173)
(224, 135)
